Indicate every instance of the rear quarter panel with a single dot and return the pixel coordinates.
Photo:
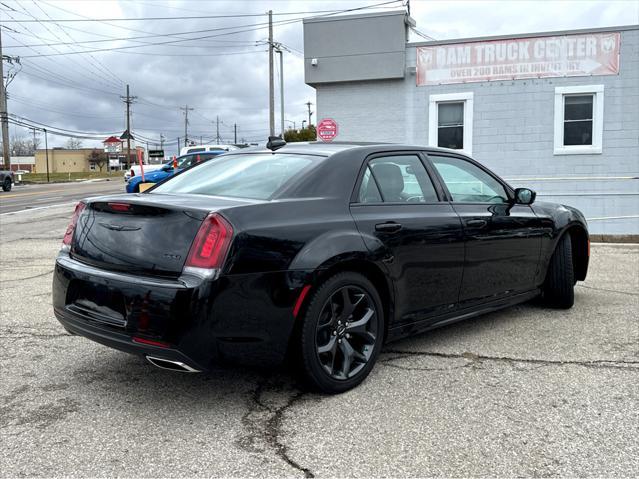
(301, 235)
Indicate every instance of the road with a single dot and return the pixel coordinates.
(38, 196)
(527, 391)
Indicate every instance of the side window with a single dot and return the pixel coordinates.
(186, 162)
(402, 179)
(467, 183)
(368, 191)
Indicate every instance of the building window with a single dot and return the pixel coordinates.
(578, 119)
(450, 121)
(450, 125)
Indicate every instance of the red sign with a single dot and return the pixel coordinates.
(539, 57)
(327, 129)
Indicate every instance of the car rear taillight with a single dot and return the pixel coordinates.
(210, 246)
(68, 235)
(132, 172)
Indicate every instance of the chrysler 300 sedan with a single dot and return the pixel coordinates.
(319, 253)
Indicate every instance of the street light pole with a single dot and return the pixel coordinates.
(271, 89)
(281, 52)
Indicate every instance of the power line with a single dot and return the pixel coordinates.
(39, 106)
(191, 17)
(99, 65)
(253, 27)
(49, 72)
(99, 77)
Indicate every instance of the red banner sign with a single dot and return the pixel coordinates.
(327, 129)
(539, 57)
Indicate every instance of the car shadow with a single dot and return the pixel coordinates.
(152, 384)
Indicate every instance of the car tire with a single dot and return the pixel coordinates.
(559, 287)
(338, 350)
(6, 186)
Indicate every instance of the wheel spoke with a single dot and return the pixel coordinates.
(328, 347)
(360, 326)
(347, 352)
(347, 310)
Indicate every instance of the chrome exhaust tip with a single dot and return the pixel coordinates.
(171, 365)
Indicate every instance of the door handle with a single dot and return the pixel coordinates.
(389, 227)
(477, 223)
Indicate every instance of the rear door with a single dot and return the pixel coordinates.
(399, 213)
(502, 239)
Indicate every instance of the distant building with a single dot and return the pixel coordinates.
(62, 160)
(554, 111)
(20, 163)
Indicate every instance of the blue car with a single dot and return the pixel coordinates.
(133, 185)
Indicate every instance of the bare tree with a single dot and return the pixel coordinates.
(20, 146)
(99, 158)
(35, 144)
(74, 143)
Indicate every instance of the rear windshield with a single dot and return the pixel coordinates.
(257, 175)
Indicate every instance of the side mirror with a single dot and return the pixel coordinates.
(524, 196)
(167, 168)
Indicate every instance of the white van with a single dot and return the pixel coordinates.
(203, 148)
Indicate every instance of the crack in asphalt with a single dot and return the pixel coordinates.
(47, 218)
(608, 290)
(26, 335)
(34, 238)
(28, 277)
(265, 422)
(474, 358)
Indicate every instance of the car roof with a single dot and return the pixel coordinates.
(329, 149)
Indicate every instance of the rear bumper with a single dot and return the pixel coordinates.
(123, 341)
(244, 319)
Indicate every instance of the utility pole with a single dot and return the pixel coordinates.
(34, 141)
(186, 124)
(271, 86)
(128, 100)
(161, 141)
(178, 146)
(235, 133)
(281, 52)
(310, 113)
(46, 151)
(217, 129)
(4, 113)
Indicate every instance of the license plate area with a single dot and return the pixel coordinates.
(97, 302)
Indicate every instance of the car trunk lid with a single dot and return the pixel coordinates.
(147, 234)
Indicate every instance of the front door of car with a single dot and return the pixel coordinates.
(418, 237)
(503, 239)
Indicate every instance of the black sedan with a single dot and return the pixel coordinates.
(319, 253)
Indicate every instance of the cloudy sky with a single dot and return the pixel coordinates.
(217, 66)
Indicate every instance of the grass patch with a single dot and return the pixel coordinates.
(30, 178)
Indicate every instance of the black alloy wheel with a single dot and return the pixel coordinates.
(346, 332)
(6, 186)
(342, 333)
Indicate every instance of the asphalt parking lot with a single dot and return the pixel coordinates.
(523, 392)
